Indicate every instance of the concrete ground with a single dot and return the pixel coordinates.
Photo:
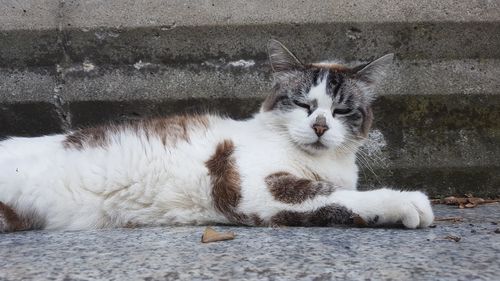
(175, 253)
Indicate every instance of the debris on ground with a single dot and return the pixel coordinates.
(468, 201)
(210, 235)
(452, 219)
(453, 238)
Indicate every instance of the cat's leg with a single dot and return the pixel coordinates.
(304, 202)
(388, 207)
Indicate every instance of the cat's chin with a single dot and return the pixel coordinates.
(317, 145)
(313, 148)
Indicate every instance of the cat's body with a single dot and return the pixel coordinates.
(204, 169)
(134, 179)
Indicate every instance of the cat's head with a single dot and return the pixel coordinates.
(322, 106)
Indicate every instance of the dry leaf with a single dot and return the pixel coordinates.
(210, 235)
(464, 202)
(452, 200)
(476, 201)
(452, 219)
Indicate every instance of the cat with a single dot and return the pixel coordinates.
(292, 164)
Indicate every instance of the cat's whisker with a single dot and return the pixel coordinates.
(373, 157)
(362, 159)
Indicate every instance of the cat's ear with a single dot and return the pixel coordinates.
(373, 72)
(281, 58)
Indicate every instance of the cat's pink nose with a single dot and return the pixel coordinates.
(320, 129)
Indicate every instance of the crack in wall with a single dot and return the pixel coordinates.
(61, 106)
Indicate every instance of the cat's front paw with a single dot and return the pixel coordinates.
(416, 210)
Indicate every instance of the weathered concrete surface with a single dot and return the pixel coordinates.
(43, 14)
(171, 32)
(143, 80)
(421, 40)
(230, 12)
(29, 15)
(176, 253)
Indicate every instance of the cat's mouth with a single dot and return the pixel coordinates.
(317, 145)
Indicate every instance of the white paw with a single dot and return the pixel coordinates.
(416, 210)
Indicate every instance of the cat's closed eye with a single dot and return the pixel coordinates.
(303, 105)
(341, 111)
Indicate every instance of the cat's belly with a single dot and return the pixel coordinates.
(151, 185)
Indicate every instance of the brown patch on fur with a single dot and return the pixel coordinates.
(11, 221)
(333, 66)
(256, 220)
(367, 122)
(168, 130)
(225, 181)
(325, 216)
(288, 188)
(131, 225)
(93, 137)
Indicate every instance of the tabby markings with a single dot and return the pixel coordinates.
(288, 188)
(325, 216)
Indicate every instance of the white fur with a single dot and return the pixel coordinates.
(139, 181)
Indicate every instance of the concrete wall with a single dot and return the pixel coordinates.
(67, 64)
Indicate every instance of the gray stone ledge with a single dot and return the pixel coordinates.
(93, 14)
(39, 33)
(34, 84)
(46, 14)
(29, 14)
(312, 41)
(143, 80)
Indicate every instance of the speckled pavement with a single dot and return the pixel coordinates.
(175, 253)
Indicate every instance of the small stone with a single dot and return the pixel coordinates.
(497, 231)
(454, 238)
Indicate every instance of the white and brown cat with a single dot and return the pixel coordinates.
(292, 164)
